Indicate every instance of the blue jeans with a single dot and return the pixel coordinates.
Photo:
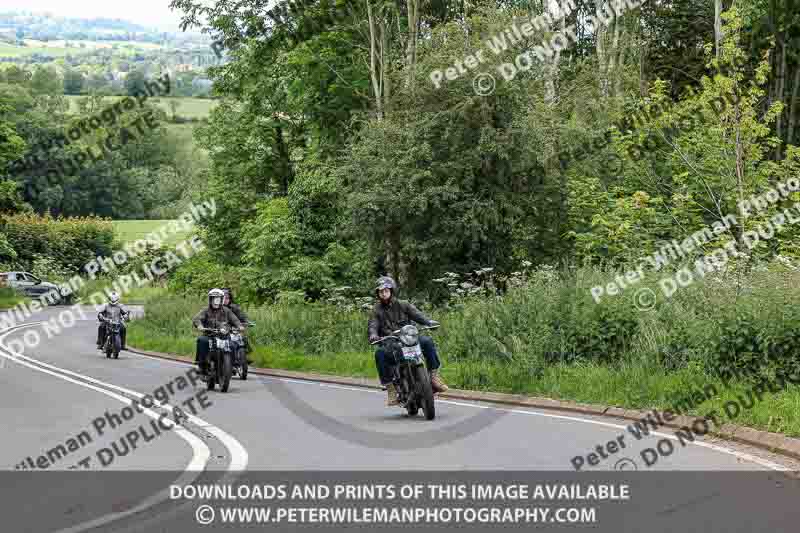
(385, 358)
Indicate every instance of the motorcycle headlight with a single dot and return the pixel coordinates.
(409, 335)
(224, 329)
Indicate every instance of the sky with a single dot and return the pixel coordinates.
(146, 12)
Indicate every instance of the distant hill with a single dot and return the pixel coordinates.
(46, 27)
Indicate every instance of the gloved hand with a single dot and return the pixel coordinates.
(373, 338)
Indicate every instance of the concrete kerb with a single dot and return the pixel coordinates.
(765, 440)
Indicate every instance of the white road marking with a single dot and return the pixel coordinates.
(201, 452)
(741, 455)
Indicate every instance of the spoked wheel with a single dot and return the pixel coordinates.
(226, 370)
(211, 379)
(425, 392)
(243, 359)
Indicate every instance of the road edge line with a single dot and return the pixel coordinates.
(764, 440)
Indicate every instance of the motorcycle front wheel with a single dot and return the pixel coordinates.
(212, 372)
(425, 392)
(226, 371)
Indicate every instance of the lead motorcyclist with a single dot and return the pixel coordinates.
(388, 315)
(212, 317)
(113, 310)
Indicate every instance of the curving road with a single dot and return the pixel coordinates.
(64, 392)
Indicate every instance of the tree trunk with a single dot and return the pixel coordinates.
(793, 106)
(412, 7)
(600, 37)
(718, 27)
(780, 90)
(375, 63)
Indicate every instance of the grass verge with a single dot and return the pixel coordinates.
(9, 298)
(325, 340)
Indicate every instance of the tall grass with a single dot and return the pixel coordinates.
(9, 298)
(549, 338)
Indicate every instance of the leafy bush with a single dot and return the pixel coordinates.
(69, 242)
(198, 275)
(49, 269)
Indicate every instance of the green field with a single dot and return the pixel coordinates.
(193, 108)
(58, 48)
(9, 50)
(131, 230)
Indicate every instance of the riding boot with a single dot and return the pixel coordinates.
(392, 399)
(437, 382)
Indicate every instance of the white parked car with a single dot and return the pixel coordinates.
(31, 286)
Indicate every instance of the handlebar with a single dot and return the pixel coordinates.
(219, 331)
(122, 318)
(395, 334)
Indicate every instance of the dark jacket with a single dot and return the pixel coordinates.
(214, 318)
(390, 317)
(238, 312)
(112, 311)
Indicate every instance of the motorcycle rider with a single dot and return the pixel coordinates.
(113, 310)
(227, 301)
(211, 317)
(388, 315)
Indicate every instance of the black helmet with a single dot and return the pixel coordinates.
(385, 282)
(228, 292)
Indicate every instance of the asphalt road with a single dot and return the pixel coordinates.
(64, 393)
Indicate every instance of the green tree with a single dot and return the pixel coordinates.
(135, 82)
(46, 81)
(73, 82)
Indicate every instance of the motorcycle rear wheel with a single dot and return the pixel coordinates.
(243, 359)
(425, 391)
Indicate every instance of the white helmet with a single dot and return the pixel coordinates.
(215, 297)
(113, 298)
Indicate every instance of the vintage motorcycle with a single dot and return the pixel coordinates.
(113, 344)
(220, 356)
(411, 379)
(240, 363)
